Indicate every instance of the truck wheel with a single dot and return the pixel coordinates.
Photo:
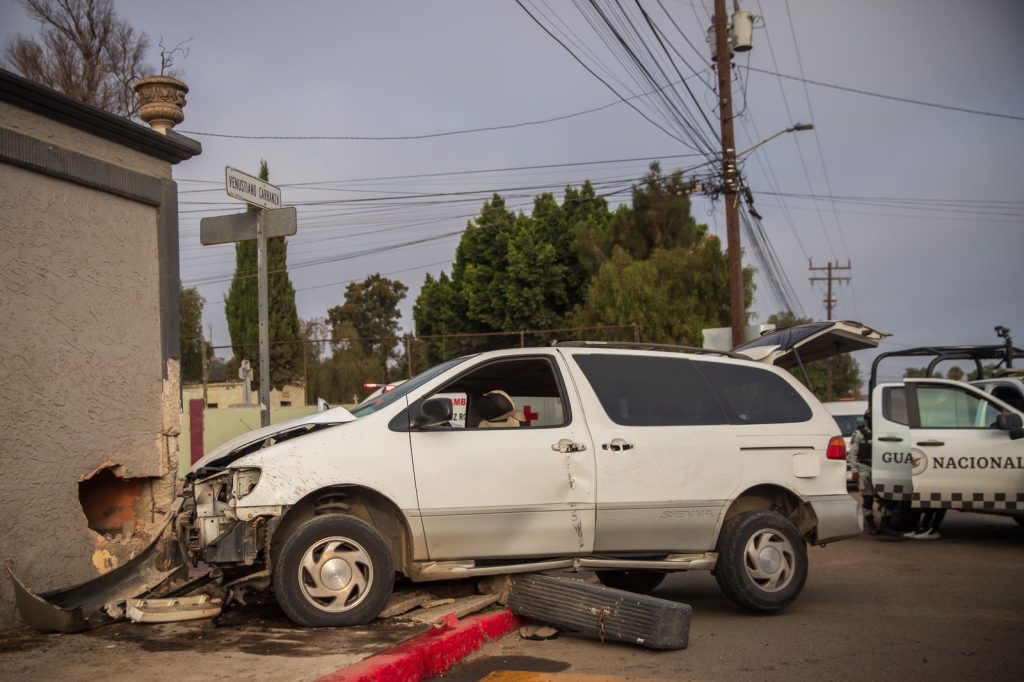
(1019, 518)
(762, 561)
(333, 570)
(641, 582)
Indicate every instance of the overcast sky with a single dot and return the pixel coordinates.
(930, 274)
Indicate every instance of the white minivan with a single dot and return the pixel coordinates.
(849, 415)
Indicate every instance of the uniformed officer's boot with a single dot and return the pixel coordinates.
(885, 528)
(869, 523)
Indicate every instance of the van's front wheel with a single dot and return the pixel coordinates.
(762, 561)
(333, 570)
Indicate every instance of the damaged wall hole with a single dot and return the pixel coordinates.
(115, 505)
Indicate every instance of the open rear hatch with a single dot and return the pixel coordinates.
(794, 346)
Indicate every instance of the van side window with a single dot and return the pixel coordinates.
(512, 393)
(894, 405)
(751, 395)
(948, 407)
(651, 391)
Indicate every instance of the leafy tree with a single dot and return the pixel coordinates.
(955, 373)
(846, 381)
(83, 50)
(370, 313)
(659, 218)
(192, 343)
(438, 311)
(242, 308)
(576, 263)
(672, 295)
(511, 272)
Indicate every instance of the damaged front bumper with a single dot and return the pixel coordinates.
(101, 600)
(204, 529)
(213, 529)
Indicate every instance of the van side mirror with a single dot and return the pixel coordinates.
(1007, 421)
(434, 412)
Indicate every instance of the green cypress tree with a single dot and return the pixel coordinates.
(242, 308)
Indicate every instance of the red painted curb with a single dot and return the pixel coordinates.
(430, 654)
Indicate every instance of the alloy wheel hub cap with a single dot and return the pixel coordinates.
(335, 574)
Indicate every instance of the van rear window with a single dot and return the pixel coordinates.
(751, 395)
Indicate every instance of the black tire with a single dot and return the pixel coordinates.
(640, 582)
(1019, 518)
(762, 561)
(334, 570)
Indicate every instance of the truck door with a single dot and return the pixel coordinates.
(961, 460)
(892, 459)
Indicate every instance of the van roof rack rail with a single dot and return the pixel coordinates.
(667, 347)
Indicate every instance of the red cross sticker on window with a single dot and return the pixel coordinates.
(530, 415)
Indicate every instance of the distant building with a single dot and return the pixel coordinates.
(224, 394)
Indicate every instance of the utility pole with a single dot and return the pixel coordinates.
(830, 301)
(738, 316)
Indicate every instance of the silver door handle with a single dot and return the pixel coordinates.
(567, 445)
(617, 445)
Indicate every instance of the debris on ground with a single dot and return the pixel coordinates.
(173, 610)
(537, 633)
(603, 612)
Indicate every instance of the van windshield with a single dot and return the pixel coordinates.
(386, 399)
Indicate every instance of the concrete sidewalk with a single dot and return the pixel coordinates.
(255, 642)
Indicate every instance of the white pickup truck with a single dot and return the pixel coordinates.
(944, 444)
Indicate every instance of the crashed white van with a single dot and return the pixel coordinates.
(631, 460)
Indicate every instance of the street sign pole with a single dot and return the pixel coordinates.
(264, 314)
(271, 220)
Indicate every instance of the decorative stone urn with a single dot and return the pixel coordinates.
(161, 99)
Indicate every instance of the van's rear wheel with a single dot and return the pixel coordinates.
(640, 582)
(762, 561)
(333, 570)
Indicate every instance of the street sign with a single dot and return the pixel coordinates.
(270, 221)
(240, 227)
(251, 190)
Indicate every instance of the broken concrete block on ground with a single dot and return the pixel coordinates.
(173, 610)
(608, 614)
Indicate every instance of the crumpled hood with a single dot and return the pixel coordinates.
(335, 415)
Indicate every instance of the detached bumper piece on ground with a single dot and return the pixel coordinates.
(601, 612)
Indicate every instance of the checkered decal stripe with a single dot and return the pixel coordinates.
(893, 492)
(950, 500)
(983, 501)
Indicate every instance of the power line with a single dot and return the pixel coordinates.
(895, 98)
(595, 75)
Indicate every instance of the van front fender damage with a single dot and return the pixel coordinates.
(101, 600)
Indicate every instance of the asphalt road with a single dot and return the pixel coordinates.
(950, 609)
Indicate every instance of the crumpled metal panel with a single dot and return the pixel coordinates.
(82, 606)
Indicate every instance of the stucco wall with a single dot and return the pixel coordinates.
(66, 137)
(81, 367)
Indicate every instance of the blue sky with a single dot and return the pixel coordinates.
(928, 274)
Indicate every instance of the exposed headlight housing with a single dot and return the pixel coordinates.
(244, 481)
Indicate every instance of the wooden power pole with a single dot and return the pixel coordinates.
(830, 302)
(738, 315)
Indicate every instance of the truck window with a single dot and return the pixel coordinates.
(894, 405)
(948, 407)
